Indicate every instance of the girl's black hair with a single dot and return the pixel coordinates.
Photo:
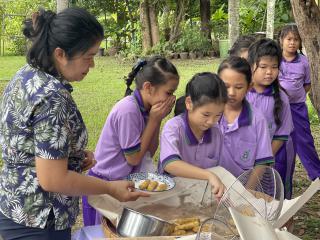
(242, 43)
(268, 48)
(290, 28)
(203, 88)
(74, 30)
(237, 64)
(155, 70)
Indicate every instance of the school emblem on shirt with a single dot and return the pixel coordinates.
(245, 155)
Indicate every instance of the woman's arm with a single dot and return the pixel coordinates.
(54, 176)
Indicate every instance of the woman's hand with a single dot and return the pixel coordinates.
(124, 191)
(89, 160)
(217, 186)
(162, 109)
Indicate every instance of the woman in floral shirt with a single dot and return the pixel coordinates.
(42, 133)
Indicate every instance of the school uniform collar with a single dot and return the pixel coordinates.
(296, 59)
(138, 98)
(191, 138)
(269, 91)
(244, 119)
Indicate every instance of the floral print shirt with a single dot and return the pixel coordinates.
(38, 118)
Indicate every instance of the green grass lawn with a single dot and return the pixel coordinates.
(104, 86)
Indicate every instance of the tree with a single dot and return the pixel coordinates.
(270, 18)
(62, 4)
(149, 25)
(307, 16)
(233, 20)
(205, 18)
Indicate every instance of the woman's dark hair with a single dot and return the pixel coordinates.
(203, 88)
(241, 44)
(290, 28)
(156, 70)
(74, 30)
(268, 48)
(237, 64)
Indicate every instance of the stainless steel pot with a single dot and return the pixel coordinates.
(135, 224)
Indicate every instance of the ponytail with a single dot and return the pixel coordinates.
(156, 70)
(277, 102)
(131, 76)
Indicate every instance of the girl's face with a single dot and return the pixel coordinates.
(290, 43)
(77, 68)
(237, 86)
(205, 116)
(266, 72)
(160, 93)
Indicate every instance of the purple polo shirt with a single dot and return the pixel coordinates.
(120, 136)
(246, 141)
(265, 103)
(293, 76)
(178, 142)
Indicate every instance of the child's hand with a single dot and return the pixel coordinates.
(89, 160)
(162, 109)
(123, 191)
(217, 186)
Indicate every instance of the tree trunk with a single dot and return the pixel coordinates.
(179, 17)
(62, 4)
(205, 18)
(155, 36)
(307, 16)
(233, 20)
(270, 18)
(145, 25)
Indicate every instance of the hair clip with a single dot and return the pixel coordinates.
(140, 63)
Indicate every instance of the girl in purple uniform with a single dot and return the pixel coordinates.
(132, 128)
(264, 58)
(192, 141)
(294, 77)
(245, 130)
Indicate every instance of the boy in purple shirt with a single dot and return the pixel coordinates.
(132, 127)
(246, 137)
(191, 141)
(294, 77)
(264, 58)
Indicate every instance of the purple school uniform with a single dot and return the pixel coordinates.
(246, 142)
(120, 136)
(178, 142)
(293, 76)
(265, 103)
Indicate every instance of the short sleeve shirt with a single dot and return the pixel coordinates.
(246, 141)
(293, 76)
(177, 142)
(265, 103)
(120, 137)
(38, 118)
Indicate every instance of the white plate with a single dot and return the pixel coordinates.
(138, 178)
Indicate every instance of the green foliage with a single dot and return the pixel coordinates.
(14, 14)
(219, 23)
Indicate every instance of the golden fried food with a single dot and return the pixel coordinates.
(178, 233)
(144, 184)
(152, 185)
(161, 187)
(180, 221)
(195, 229)
(187, 226)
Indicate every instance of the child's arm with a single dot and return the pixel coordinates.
(276, 145)
(184, 169)
(307, 87)
(155, 142)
